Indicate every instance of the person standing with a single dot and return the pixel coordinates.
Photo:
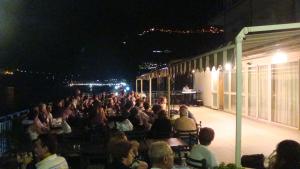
(187, 97)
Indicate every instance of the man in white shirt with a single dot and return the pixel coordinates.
(161, 155)
(186, 89)
(45, 151)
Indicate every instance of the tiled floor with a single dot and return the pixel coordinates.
(257, 136)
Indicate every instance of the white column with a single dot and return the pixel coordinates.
(169, 95)
(239, 98)
(150, 91)
(136, 85)
(141, 85)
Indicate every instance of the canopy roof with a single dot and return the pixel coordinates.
(261, 40)
(163, 72)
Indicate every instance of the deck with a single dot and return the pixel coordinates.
(257, 136)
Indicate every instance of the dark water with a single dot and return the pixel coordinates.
(14, 99)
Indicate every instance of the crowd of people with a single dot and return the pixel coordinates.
(115, 114)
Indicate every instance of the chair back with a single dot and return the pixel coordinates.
(198, 164)
(189, 136)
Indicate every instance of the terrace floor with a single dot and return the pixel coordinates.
(257, 136)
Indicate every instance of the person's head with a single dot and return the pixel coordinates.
(118, 135)
(128, 105)
(146, 105)
(162, 114)
(43, 107)
(156, 108)
(183, 110)
(45, 144)
(161, 155)
(115, 138)
(139, 103)
(61, 103)
(49, 108)
(123, 152)
(287, 155)
(206, 136)
(162, 100)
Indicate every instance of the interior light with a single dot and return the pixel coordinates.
(214, 74)
(193, 71)
(279, 57)
(228, 66)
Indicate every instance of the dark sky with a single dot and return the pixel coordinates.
(85, 36)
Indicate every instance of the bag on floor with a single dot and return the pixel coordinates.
(253, 161)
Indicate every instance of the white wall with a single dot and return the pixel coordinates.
(202, 83)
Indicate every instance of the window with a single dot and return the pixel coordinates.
(285, 93)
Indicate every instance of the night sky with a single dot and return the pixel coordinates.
(98, 39)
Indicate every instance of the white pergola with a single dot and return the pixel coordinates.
(151, 75)
(256, 42)
(250, 43)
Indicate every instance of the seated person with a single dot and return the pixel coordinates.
(200, 151)
(162, 127)
(184, 123)
(36, 127)
(162, 101)
(123, 156)
(190, 115)
(156, 108)
(186, 88)
(287, 155)
(119, 136)
(149, 112)
(161, 155)
(45, 150)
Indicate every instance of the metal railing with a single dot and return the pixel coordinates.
(176, 96)
(6, 125)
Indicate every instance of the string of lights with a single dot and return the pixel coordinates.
(210, 29)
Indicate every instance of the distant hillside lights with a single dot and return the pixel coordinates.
(209, 29)
(151, 66)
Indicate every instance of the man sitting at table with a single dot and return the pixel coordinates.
(200, 151)
(45, 150)
(161, 155)
(184, 123)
